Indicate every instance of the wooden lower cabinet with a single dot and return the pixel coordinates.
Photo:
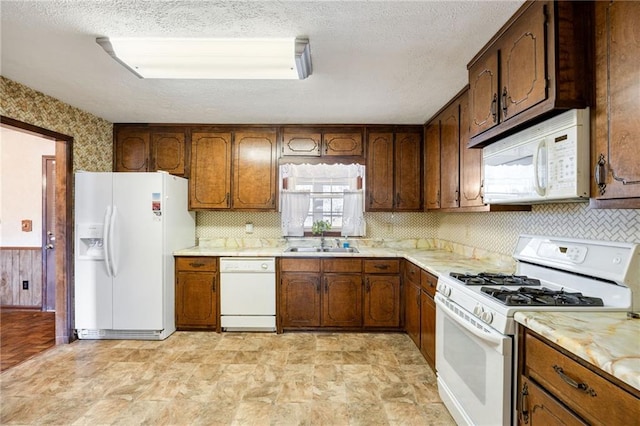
(329, 293)
(556, 387)
(342, 300)
(428, 284)
(381, 301)
(300, 299)
(537, 407)
(412, 311)
(196, 293)
(428, 328)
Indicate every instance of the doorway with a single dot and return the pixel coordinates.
(60, 171)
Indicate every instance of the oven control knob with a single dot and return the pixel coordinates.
(487, 317)
(477, 311)
(445, 290)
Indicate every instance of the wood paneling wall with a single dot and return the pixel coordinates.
(19, 264)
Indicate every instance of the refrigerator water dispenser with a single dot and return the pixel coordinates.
(90, 241)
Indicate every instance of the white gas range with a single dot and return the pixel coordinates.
(474, 319)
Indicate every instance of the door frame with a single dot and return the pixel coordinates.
(64, 221)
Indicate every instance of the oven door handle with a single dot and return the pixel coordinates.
(489, 336)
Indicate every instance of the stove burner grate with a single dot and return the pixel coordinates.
(540, 297)
(485, 278)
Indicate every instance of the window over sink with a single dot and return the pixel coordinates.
(329, 192)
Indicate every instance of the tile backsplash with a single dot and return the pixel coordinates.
(495, 232)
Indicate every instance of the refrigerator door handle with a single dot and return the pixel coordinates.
(106, 237)
(112, 242)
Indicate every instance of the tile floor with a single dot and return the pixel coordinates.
(201, 378)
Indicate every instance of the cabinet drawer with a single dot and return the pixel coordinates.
(341, 265)
(428, 282)
(537, 407)
(209, 264)
(412, 273)
(299, 265)
(590, 395)
(381, 266)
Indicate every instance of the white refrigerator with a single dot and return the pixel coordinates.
(127, 227)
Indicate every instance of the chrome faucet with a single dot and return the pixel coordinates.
(338, 242)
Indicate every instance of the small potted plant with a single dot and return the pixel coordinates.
(319, 227)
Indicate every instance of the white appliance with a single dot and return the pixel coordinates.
(474, 315)
(248, 293)
(548, 162)
(127, 227)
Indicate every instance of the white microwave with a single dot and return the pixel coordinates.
(548, 162)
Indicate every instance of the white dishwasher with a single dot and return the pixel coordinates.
(248, 293)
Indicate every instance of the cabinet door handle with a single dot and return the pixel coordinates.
(213, 286)
(196, 265)
(226, 199)
(398, 200)
(573, 383)
(599, 175)
(367, 286)
(494, 108)
(379, 266)
(504, 102)
(524, 404)
(326, 285)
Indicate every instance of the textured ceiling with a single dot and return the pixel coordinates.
(373, 61)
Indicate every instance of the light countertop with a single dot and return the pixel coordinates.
(433, 259)
(608, 340)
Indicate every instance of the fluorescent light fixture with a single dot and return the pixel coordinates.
(207, 58)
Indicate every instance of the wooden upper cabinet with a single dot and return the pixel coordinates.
(470, 161)
(539, 62)
(147, 149)
(432, 165)
(449, 156)
(379, 171)
(210, 181)
(342, 144)
(254, 170)
(408, 171)
(131, 150)
(483, 93)
(394, 170)
(523, 74)
(615, 155)
(301, 141)
(167, 152)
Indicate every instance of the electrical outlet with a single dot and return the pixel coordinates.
(25, 285)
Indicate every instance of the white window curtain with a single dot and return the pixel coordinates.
(295, 207)
(352, 214)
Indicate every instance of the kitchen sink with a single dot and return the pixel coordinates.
(340, 249)
(322, 249)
